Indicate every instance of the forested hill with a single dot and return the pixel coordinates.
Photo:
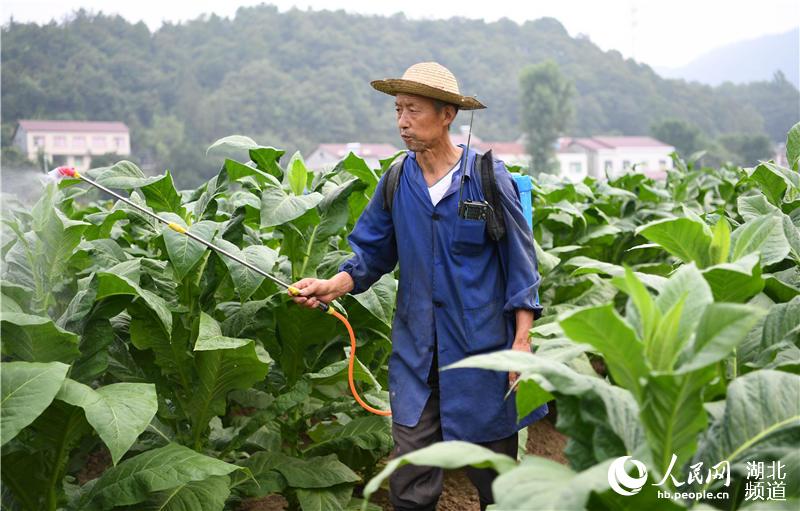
(299, 78)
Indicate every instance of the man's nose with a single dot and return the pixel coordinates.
(402, 121)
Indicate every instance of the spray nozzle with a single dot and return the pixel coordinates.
(59, 173)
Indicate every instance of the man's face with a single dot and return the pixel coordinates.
(419, 123)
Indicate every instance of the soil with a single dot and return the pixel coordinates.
(96, 463)
(268, 503)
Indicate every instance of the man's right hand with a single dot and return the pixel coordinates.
(314, 291)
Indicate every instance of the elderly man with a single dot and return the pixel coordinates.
(460, 292)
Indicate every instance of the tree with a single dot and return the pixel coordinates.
(546, 111)
(685, 137)
(747, 149)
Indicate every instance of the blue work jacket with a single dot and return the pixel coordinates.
(457, 293)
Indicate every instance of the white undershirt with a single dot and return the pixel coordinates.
(440, 187)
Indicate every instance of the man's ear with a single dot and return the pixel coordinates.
(453, 115)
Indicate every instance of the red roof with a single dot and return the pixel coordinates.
(374, 150)
(590, 143)
(614, 142)
(45, 125)
(503, 147)
(461, 138)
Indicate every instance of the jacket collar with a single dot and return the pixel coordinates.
(470, 161)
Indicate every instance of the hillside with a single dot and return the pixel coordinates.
(300, 78)
(763, 57)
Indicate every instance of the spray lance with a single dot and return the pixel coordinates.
(64, 172)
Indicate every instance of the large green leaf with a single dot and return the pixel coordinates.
(330, 499)
(245, 279)
(161, 195)
(300, 328)
(36, 338)
(722, 327)
(604, 329)
(306, 241)
(673, 416)
(737, 281)
(278, 207)
(223, 364)
(115, 282)
(171, 349)
(39, 258)
(685, 238)
(296, 174)
(379, 298)
(163, 468)
(267, 159)
(27, 390)
(314, 472)
(793, 146)
(359, 168)
(589, 265)
(782, 323)
(210, 336)
(118, 412)
(774, 181)
(648, 317)
(451, 454)
(720, 248)
(122, 174)
(763, 235)
(98, 334)
(549, 485)
(206, 495)
(620, 411)
(687, 291)
(232, 143)
(761, 419)
(370, 433)
(184, 252)
(237, 171)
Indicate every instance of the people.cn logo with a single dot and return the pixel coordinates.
(619, 479)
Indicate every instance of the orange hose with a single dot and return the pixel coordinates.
(350, 367)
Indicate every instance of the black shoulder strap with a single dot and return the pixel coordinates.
(392, 179)
(496, 224)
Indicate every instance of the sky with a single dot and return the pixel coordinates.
(663, 34)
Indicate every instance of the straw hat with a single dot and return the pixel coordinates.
(431, 80)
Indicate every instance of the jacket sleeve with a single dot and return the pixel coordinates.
(516, 249)
(373, 243)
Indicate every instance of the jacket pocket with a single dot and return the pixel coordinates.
(469, 236)
(485, 327)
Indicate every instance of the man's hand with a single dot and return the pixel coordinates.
(524, 319)
(520, 344)
(314, 291)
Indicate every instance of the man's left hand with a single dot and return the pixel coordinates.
(520, 344)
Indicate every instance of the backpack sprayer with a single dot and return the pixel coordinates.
(69, 172)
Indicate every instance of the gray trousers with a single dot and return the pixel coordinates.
(418, 488)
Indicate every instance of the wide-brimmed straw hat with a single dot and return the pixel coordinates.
(429, 79)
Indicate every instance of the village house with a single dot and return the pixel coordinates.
(599, 157)
(73, 143)
(609, 157)
(325, 156)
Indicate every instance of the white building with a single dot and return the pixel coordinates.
(609, 157)
(326, 156)
(70, 143)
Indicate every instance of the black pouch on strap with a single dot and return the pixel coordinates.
(495, 222)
